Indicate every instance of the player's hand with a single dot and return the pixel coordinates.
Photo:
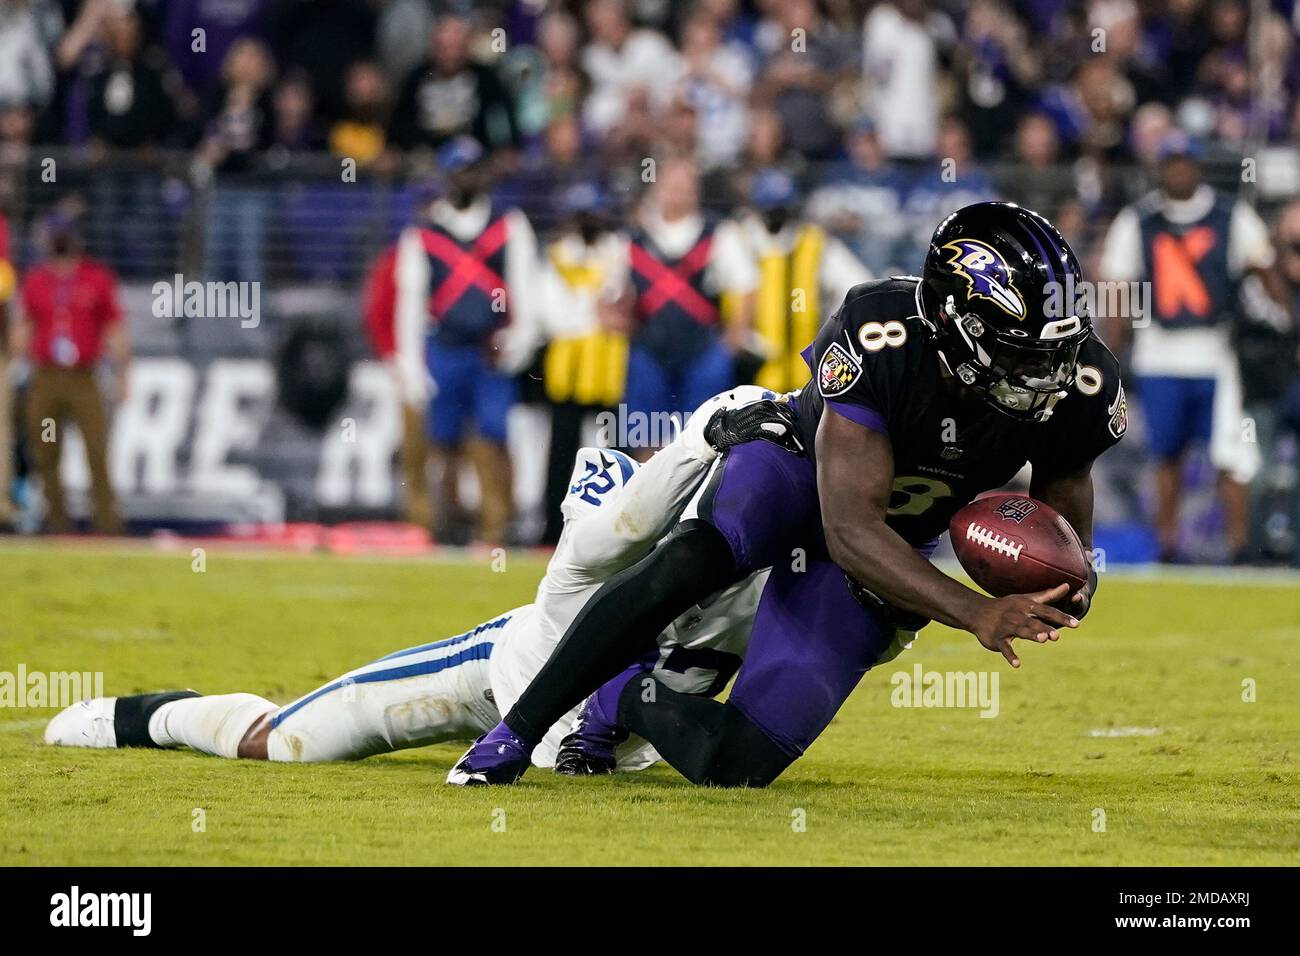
(999, 621)
(770, 419)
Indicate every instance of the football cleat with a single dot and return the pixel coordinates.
(498, 757)
(88, 723)
(109, 722)
(590, 748)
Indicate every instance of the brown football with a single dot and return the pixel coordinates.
(1014, 544)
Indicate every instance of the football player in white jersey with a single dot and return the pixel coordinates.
(457, 688)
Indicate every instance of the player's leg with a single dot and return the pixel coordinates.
(444, 423)
(86, 408)
(760, 502)
(494, 395)
(421, 695)
(414, 455)
(812, 643)
(45, 409)
(1164, 402)
(1235, 456)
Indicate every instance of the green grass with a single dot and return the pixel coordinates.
(1216, 785)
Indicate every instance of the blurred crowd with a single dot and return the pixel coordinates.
(648, 183)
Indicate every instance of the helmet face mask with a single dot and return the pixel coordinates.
(987, 291)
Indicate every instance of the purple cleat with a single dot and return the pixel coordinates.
(590, 748)
(498, 757)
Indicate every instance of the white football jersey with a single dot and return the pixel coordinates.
(615, 512)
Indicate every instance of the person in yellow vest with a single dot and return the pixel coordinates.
(586, 314)
(803, 275)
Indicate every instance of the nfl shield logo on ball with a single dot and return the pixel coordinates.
(1016, 509)
(838, 371)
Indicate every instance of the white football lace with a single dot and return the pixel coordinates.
(993, 541)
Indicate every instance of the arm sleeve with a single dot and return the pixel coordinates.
(1249, 247)
(411, 318)
(840, 269)
(522, 336)
(112, 304)
(733, 268)
(1121, 258)
(381, 304)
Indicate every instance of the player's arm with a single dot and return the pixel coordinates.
(1071, 495)
(620, 532)
(855, 477)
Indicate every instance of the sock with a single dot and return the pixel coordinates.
(621, 621)
(707, 742)
(211, 725)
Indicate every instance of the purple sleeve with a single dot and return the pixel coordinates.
(861, 415)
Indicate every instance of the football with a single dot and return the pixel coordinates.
(1014, 544)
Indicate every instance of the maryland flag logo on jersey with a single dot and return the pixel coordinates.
(1118, 412)
(838, 371)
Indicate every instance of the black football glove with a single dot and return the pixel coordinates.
(769, 419)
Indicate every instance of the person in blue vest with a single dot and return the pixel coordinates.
(1191, 246)
(693, 283)
(465, 302)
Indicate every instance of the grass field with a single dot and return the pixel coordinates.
(1138, 716)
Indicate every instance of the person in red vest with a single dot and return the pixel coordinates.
(71, 317)
(8, 286)
(682, 264)
(465, 304)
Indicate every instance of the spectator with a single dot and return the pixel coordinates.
(549, 82)
(130, 106)
(799, 76)
(401, 36)
(296, 129)
(71, 318)
(951, 182)
(471, 287)
(131, 115)
(1091, 112)
(1192, 245)
(803, 277)
(622, 63)
(997, 68)
(359, 134)
(240, 129)
(26, 76)
(861, 201)
(900, 62)
(715, 80)
(1266, 343)
(200, 36)
(450, 95)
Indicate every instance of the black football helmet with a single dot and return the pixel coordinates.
(999, 291)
